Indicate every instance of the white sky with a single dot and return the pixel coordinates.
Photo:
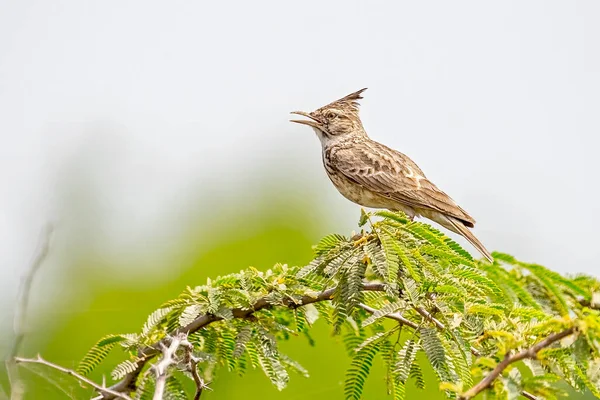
(496, 101)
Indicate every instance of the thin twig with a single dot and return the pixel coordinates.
(149, 352)
(103, 390)
(161, 368)
(20, 318)
(424, 313)
(395, 316)
(529, 396)
(530, 352)
(191, 364)
(429, 317)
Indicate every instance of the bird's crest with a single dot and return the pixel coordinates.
(346, 103)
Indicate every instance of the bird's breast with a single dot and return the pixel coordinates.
(356, 192)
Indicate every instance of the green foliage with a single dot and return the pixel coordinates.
(359, 371)
(98, 353)
(463, 315)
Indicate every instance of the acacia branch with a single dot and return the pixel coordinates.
(162, 367)
(192, 366)
(395, 316)
(149, 352)
(101, 389)
(427, 315)
(530, 352)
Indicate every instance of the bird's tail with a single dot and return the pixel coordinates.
(458, 227)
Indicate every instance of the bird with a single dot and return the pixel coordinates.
(374, 175)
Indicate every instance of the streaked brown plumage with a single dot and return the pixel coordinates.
(374, 175)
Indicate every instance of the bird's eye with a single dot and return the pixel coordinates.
(331, 115)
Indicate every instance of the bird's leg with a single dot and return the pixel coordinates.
(410, 215)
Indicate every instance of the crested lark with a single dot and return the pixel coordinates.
(373, 175)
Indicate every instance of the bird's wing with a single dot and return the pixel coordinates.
(394, 175)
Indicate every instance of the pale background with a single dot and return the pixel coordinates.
(136, 111)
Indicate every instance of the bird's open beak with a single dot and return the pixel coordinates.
(315, 123)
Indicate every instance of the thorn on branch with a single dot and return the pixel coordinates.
(191, 365)
(161, 368)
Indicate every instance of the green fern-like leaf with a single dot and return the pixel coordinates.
(389, 247)
(457, 249)
(359, 371)
(123, 369)
(427, 233)
(186, 297)
(581, 372)
(294, 366)
(189, 314)
(529, 313)
(511, 285)
(154, 319)
(352, 339)
(340, 313)
(98, 352)
(353, 291)
(377, 259)
(410, 268)
(398, 217)
(448, 255)
(487, 309)
(406, 358)
(268, 358)
(411, 290)
(315, 265)
(145, 387)
(244, 335)
(300, 320)
(471, 274)
(341, 263)
(436, 354)
(252, 352)
(506, 258)
(227, 346)
(385, 310)
(553, 292)
(459, 357)
(416, 373)
(328, 243)
(559, 280)
(378, 337)
(174, 389)
(214, 300)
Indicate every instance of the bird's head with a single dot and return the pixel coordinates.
(335, 120)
